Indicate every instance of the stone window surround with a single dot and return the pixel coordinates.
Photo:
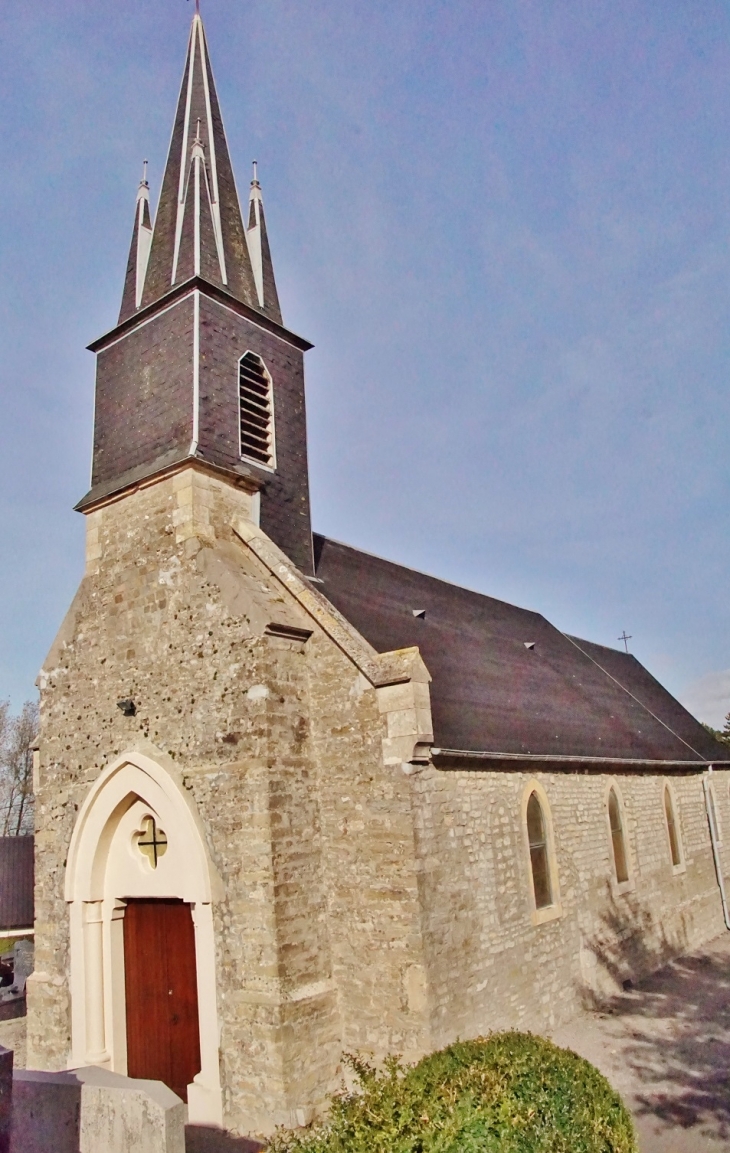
(98, 1021)
(619, 887)
(552, 912)
(682, 866)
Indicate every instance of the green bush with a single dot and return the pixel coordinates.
(506, 1093)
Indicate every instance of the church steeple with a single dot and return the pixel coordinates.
(200, 372)
(139, 251)
(258, 247)
(198, 226)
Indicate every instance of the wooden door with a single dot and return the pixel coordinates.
(163, 1036)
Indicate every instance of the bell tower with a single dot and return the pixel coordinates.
(200, 369)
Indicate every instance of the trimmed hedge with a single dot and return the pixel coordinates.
(505, 1093)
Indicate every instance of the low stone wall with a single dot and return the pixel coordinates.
(86, 1111)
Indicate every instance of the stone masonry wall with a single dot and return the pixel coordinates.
(369, 903)
(279, 743)
(489, 965)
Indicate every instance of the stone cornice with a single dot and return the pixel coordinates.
(381, 669)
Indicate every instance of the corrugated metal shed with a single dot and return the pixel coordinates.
(16, 883)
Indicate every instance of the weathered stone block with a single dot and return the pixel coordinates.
(91, 1110)
(46, 1112)
(119, 1114)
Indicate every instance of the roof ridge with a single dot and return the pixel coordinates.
(599, 645)
(430, 576)
(633, 697)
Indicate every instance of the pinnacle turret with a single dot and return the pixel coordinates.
(139, 251)
(258, 247)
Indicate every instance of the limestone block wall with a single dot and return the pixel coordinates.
(371, 868)
(489, 965)
(279, 741)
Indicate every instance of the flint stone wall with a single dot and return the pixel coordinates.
(275, 738)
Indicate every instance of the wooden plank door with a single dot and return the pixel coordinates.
(163, 1035)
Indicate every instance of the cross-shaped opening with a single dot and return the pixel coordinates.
(152, 841)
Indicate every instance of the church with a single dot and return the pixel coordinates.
(293, 799)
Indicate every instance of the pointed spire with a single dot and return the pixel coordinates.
(198, 226)
(139, 251)
(258, 247)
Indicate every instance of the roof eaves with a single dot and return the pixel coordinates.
(212, 290)
(470, 756)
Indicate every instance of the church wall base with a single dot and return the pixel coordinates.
(490, 965)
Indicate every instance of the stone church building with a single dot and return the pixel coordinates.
(293, 799)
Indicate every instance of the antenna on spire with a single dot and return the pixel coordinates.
(144, 174)
(255, 181)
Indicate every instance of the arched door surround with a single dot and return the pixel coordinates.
(138, 835)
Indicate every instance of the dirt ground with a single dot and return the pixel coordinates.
(665, 1045)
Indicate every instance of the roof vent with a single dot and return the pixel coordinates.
(529, 644)
(420, 613)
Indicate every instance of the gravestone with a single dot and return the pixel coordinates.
(23, 954)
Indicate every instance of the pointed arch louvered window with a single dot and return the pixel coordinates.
(256, 410)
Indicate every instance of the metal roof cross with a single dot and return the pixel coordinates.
(625, 639)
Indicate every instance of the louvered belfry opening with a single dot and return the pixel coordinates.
(255, 407)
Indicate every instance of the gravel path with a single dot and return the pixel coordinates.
(665, 1045)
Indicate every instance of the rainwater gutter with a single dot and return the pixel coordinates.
(471, 757)
(712, 822)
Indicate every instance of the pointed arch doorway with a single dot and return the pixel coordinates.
(140, 886)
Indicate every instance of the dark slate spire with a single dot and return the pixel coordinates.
(198, 227)
(139, 251)
(258, 247)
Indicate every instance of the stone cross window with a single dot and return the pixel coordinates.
(152, 841)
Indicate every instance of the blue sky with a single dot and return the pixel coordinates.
(506, 227)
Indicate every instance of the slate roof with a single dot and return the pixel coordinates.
(490, 693)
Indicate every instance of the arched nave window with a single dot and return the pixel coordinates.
(618, 839)
(539, 853)
(675, 845)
